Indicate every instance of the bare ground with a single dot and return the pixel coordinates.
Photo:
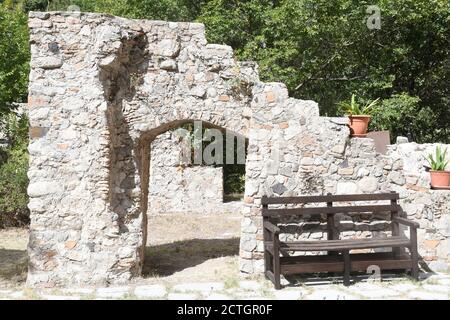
(180, 247)
(192, 248)
(13, 257)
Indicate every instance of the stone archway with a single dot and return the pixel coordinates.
(141, 172)
(124, 82)
(100, 88)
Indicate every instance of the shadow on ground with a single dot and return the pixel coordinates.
(326, 279)
(13, 265)
(167, 259)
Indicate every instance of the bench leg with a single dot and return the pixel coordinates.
(395, 227)
(347, 267)
(414, 254)
(276, 263)
(267, 259)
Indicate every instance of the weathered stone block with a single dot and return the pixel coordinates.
(47, 62)
(38, 132)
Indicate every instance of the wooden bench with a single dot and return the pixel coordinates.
(338, 257)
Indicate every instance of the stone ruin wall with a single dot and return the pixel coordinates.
(176, 186)
(362, 170)
(103, 88)
(314, 155)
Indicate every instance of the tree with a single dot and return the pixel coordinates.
(323, 51)
(13, 171)
(14, 57)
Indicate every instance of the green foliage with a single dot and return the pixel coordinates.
(403, 115)
(14, 57)
(320, 49)
(176, 10)
(233, 174)
(439, 162)
(13, 172)
(35, 5)
(323, 49)
(352, 107)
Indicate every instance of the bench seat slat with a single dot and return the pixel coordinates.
(330, 198)
(330, 210)
(348, 244)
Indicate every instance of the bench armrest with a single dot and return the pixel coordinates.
(271, 227)
(406, 222)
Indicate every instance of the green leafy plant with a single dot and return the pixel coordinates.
(14, 57)
(354, 108)
(439, 162)
(402, 115)
(13, 171)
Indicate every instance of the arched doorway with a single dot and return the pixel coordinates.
(191, 227)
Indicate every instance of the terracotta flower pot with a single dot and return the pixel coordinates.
(358, 125)
(440, 179)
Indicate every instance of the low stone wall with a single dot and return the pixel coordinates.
(402, 169)
(312, 155)
(186, 190)
(431, 208)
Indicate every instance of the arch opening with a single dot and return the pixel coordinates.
(189, 220)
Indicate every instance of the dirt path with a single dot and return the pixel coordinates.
(195, 248)
(179, 246)
(13, 257)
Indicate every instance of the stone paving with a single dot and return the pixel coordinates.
(431, 287)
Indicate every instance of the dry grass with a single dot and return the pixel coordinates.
(180, 247)
(13, 257)
(192, 247)
(171, 228)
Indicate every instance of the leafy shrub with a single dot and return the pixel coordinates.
(13, 172)
(403, 115)
(14, 57)
(35, 5)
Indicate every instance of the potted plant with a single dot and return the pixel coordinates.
(358, 116)
(440, 178)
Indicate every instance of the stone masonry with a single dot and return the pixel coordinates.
(176, 186)
(102, 88)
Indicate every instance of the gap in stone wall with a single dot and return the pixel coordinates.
(201, 237)
(180, 183)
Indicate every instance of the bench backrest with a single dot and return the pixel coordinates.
(331, 202)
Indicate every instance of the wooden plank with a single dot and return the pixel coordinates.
(355, 257)
(269, 249)
(342, 244)
(414, 253)
(347, 267)
(406, 222)
(267, 237)
(327, 210)
(336, 266)
(271, 227)
(331, 229)
(269, 275)
(329, 245)
(395, 229)
(276, 262)
(397, 264)
(329, 198)
(358, 262)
